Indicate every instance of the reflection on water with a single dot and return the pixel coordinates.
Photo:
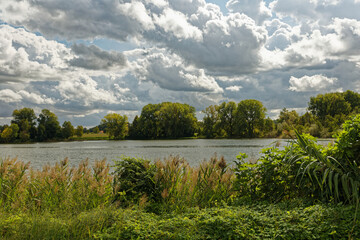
(193, 150)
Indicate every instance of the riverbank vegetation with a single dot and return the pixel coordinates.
(246, 119)
(304, 191)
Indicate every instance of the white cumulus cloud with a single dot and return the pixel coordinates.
(234, 88)
(312, 83)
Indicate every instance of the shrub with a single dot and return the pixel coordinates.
(171, 184)
(134, 180)
(305, 169)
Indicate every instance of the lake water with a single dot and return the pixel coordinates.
(193, 150)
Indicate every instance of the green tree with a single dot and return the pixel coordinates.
(134, 130)
(41, 133)
(329, 104)
(25, 130)
(116, 125)
(49, 127)
(79, 131)
(67, 130)
(250, 117)
(290, 117)
(10, 133)
(165, 120)
(27, 114)
(210, 121)
(25, 119)
(287, 122)
(226, 115)
(176, 120)
(96, 129)
(269, 127)
(149, 121)
(353, 99)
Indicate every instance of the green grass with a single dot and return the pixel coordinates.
(91, 136)
(251, 221)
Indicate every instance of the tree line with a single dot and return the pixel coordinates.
(246, 119)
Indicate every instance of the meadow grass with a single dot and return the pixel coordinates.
(252, 221)
(91, 136)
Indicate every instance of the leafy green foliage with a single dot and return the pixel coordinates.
(10, 133)
(255, 221)
(270, 178)
(246, 119)
(67, 130)
(210, 122)
(133, 180)
(116, 125)
(49, 127)
(25, 119)
(250, 116)
(329, 104)
(305, 169)
(165, 120)
(79, 131)
(336, 169)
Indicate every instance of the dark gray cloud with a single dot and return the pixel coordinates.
(92, 57)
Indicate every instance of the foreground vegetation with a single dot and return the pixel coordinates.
(246, 119)
(252, 221)
(304, 191)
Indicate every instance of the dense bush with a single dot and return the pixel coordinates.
(134, 181)
(305, 169)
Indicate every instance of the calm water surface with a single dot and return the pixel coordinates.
(193, 150)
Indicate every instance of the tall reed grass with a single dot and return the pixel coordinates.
(183, 186)
(161, 186)
(54, 188)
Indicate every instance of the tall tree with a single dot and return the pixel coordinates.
(250, 117)
(25, 119)
(10, 133)
(79, 131)
(24, 114)
(116, 125)
(210, 121)
(49, 127)
(331, 104)
(354, 99)
(165, 120)
(149, 121)
(134, 129)
(67, 130)
(176, 120)
(226, 114)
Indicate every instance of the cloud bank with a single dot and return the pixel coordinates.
(279, 52)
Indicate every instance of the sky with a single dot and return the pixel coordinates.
(84, 59)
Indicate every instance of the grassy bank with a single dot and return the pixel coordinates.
(260, 221)
(91, 136)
